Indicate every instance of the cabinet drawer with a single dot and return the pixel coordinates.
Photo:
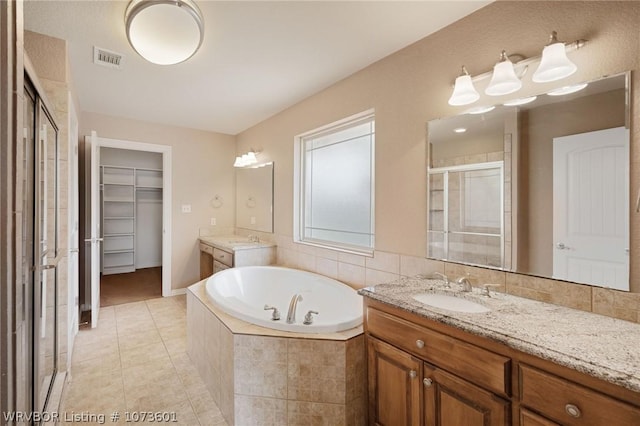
(207, 249)
(571, 404)
(482, 367)
(217, 266)
(223, 256)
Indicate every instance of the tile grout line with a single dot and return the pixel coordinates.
(124, 392)
(174, 366)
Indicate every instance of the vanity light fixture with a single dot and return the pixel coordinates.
(164, 32)
(567, 89)
(520, 101)
(504, 79)
(463, 92)
(245, 160)
(554, 64)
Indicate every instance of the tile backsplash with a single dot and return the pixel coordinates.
(363, 271)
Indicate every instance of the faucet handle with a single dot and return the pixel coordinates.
(275, 316)
(308, 319)
(486, 289)
(441, 276)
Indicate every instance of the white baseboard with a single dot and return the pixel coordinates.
(178, 291)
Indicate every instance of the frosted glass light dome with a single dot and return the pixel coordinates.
(164, 32)
(504, 79)
(463, 92)
(554, 64)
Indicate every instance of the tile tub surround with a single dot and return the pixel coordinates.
(362, 271)
(263, 376)
(605, 348)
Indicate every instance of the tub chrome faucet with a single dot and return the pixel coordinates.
(291, 315)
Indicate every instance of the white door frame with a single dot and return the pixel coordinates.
(165, 150)
(73, 230)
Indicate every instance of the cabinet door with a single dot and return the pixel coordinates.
(527, 418)
(451, 401)
(206, 265)
(394, 385)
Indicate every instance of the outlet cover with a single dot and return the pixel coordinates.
(213, 221)
(186, 208)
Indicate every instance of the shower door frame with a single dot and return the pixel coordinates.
(41, 261)
(445, 171)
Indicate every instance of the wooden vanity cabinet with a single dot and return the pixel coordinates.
(409, 386)
(451, 401)
(395, 380)
(206, 261)
(213, 259)
(425, 373)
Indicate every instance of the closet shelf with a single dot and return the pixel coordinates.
(115, 184)
(116, 234)
(118, 200)
(118, 251)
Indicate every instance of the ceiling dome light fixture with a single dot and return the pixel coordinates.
(504, 79)
(463, 92)
(164, 32)
(554, 64)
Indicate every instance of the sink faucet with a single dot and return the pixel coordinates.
(465, 283)
(254, 238)
(291, 315)
(443, 277)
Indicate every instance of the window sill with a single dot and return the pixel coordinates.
(342, 249)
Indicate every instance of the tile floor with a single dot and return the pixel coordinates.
(136, 360)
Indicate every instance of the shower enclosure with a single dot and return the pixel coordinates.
(41, 252)
(466, 221)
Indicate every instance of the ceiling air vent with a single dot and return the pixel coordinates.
(107, 58)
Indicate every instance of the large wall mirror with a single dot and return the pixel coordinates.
(254, 198)
(539, 188)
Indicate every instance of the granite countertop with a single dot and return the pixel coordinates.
(603, 347)
(233, 243)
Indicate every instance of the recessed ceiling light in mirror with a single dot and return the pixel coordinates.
(460, 130)
(520, 101)
(567, 90)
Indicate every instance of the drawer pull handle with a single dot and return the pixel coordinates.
(427, 382)
(572, 410)
(419, 344)
(413, 374)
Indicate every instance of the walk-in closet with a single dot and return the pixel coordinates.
(131, 203)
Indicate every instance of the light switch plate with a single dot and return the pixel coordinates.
(213, 221)
(186, 208)
(253, 220)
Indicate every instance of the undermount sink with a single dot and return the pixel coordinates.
(451, 303)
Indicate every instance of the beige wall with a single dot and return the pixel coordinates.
(412, 86)
(202, 166)
(538, 128)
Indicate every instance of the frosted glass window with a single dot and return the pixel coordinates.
(336, 185)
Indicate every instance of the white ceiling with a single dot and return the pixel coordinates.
(257, 58)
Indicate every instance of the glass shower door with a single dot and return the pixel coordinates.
(47, 256)
(465, 214)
